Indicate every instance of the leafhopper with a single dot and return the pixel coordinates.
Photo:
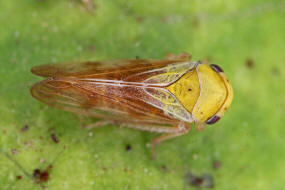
(165, 96)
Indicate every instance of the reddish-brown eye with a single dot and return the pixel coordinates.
(213, 120)
(217, 68)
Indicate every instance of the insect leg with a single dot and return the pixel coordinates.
(181, 129)
(98, 124)
(148, 127)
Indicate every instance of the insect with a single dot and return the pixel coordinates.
(164, 96)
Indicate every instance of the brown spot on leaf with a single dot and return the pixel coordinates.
(36, 172)
(139, 19)
(164, 168)
(54, 138)
(249, 63)
(128, 147)
(216, 164)
(204, 181)
(41, 176)
(14, 151)
(25, 128)
(19, 177)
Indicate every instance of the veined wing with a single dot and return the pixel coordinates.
(73, 97)
(128, 82)
(148, 72)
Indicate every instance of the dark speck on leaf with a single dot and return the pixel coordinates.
(139, 19)
(19, 177)
(249, 63)
(41, 176)
(44, 176)
(128, 147)
(204, 181)
(50, 129)
(164, 168)
(216, 164)
(14, 151)
(37, 172)
(25, 128)
(54, 138)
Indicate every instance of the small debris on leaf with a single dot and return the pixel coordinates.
(54, 138)
(14, 151)
(25, 128)
(217, 164)
(249, 63)
(128, 147)
(204, 181)
(164, 168)
(41, 176)
(19, 177)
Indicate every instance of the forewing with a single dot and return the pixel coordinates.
(133, 71)
(79, 86)
(91, 69)
(92, 101)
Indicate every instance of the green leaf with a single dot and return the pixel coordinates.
(245, 150)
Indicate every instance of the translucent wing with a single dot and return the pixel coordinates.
(134, 71)
(73, 97)
(136, 85)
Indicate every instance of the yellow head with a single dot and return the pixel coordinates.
(206, 93)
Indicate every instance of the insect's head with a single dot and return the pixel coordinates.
(216, 94)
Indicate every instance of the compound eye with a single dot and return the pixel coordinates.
(217, 68)
(213, 119)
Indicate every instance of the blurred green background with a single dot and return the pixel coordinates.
(45, 148)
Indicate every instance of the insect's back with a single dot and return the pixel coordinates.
(121, 89)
